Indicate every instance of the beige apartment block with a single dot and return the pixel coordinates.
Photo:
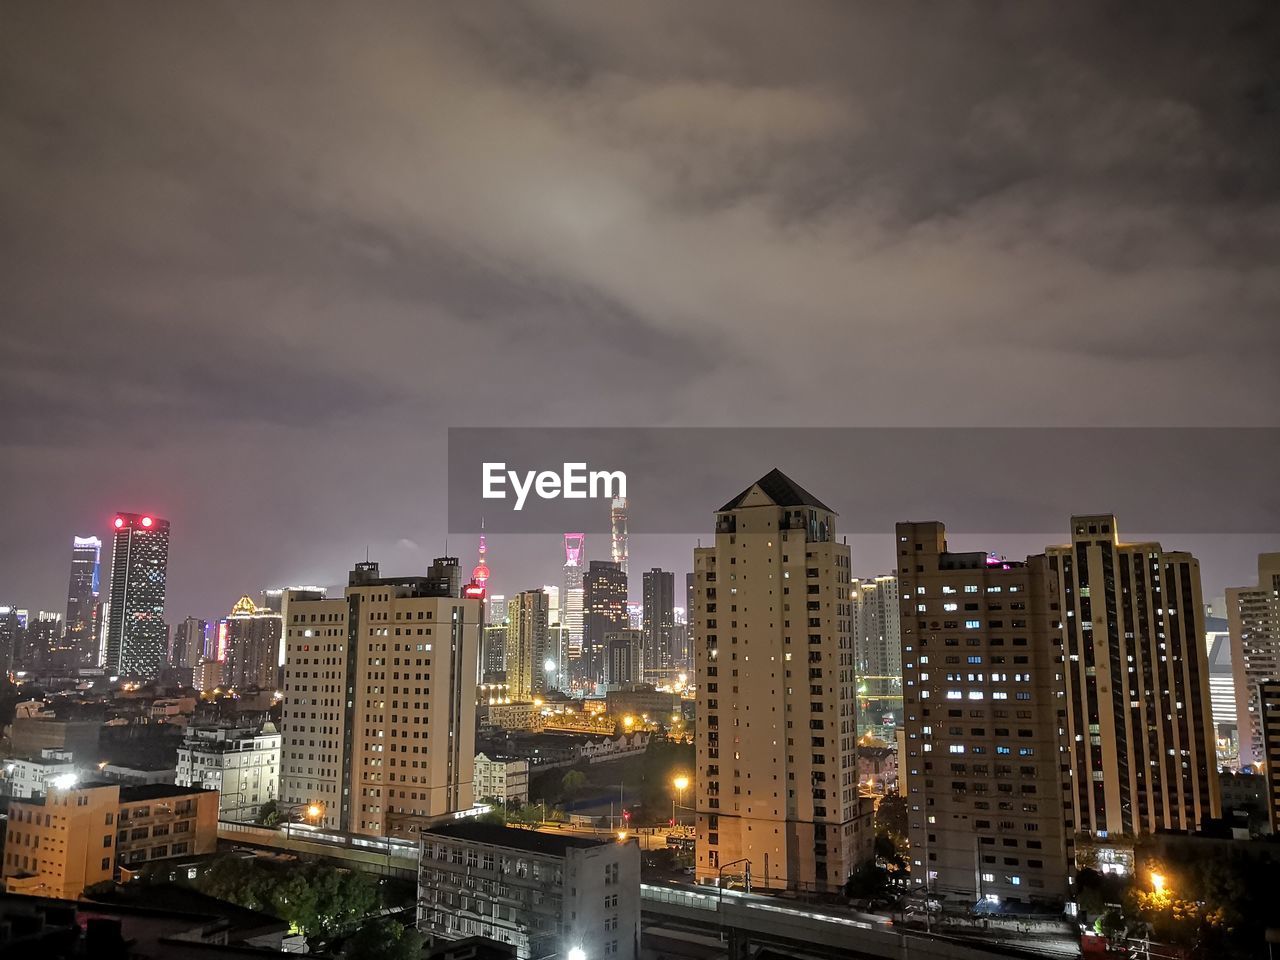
(379, 709)
(59, 843)
(776, 769)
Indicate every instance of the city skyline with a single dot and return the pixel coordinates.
(666, 215)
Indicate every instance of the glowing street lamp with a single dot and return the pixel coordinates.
(1158, 882)
(576, 953)
(681, 783)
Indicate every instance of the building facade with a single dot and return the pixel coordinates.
(62, 841)
(501, 778)
(604, 610)
(1268, 702)
(248, 643)
(26, 777)
(83, 604)
(624, 657)
(547, 895)
(379, 702)
(190, 642)
(73, 837)
(241, 763)
(526, 650)
(1142, 752)
(135, 634)
(1253, 621)
(659, 625)
(157, 821)
(877, 644)
(776, 764)
(983, 712)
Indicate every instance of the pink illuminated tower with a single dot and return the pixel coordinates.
(480, 575)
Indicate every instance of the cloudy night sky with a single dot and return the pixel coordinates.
(257, 258)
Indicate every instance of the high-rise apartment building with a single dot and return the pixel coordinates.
(379, 708)
(624, 657)
(1253, 620)
(877, 646)
(83, 605)
(1142, 753)
(618, 525)
(248, 644)
(571, 597)
(526, 653)
(691, 638)
(1267, 700)
(776, 764)
(276, 600)
(658, 624)
(983, 710)
(135, 635)
(190, 642)
(604, 610)
(493, 652)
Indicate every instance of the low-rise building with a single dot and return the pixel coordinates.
(26, 777)
(136, 776)
(60, 842)
(242, 763)
(156, 821)
(642, 700)
(543, 893)
(502, 778)
(31, 734)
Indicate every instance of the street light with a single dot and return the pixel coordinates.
(577, 953)
(1158, 882)
(681, 783)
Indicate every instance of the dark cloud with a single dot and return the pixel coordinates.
(256, 258)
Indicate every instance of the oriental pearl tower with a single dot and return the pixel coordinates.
(480, 574)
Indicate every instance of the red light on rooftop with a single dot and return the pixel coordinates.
(119, 522)
(147, 521)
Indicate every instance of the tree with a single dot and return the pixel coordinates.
(269, 814)
(525, 816)
(1112, 926)
(317, 900)
(891, 816)
(868, 881)
(382, 939)
(573, 783)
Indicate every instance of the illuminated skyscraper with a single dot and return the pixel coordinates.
(190, 643)
(877, 653)
(248, 644)
(658, 624)
(1142, 753)
(618, 522)
(604, 610)
(81, 622)
(136, 636)
(571, 598)
(982, 732)
(1253, 619)
(527, 645)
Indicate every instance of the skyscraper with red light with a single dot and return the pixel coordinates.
(134, 637)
